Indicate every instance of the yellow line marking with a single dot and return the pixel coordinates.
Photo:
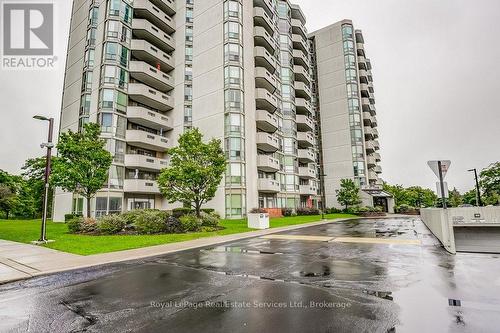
(299, 237)
(377, 240)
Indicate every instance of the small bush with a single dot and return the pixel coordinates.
(307, 211)
(178, 212)
(209, 220)
(190, 223)
(88, 225)
(208, 210)
(352, 210)
(111, 224)
(131, 216)
(75, 224)
(286, 211)
(173, 225)
(333, 210)
(151, 222)
(68, 217)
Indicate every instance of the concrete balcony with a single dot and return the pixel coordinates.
(265, 59)
(303, 106)
(146, 140)
(304, 123)
(301, 74)
(378, 169)
(144, 72)
(367, 119)
(140, 186)
(145, 9)
(305, 139)
(263, 19)
(264, 79)
(360, 46)
(151, 97)
(305, 172)
(267, 142)
(267, 5)
(300, 58)
(300, 43)
(368, 132)
(145, 162)
(302, 90)
(306, 156)
(147, 52)
(370, 160)
(376, 144)
(363, 87)
(265, 100)
(267, 185)
(267, 163)
(143, 29)
(308, 190)
(266, 121)
(264, 39)
(299, 28)
(149, 118)
(370, 147)
(374, 122)
(365, 101)
(372, 175)
(377, 157)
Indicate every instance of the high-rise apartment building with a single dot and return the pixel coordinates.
(246, 72)
(346, 105)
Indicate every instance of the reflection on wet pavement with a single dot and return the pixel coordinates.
(274, 285)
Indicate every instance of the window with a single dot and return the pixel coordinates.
(233, 123)
(347, 32)
(234, 148)
(235, 174)
(348, 46)
(116, 176)
(233, 75)
(234, 53)
(121, 127)
(233, 99)
(119, 154)
(77, 208)
(235, 205)
(232, 30)
(352, 90)
(232, 9)
(114, 99)
(89, 57)
(115, 205)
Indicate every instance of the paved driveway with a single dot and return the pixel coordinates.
(359, 276)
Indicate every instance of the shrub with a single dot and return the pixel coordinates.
(352, 210)
(209, 220)
(307, 211)
(333, 210)
(258, 211)
(88, 225)
(111, 224)
(286, 211)
(75, 224)
(208, 210)
(151, 222)
(173, 225)
(190, 223)
(178, 212)
(131, 216)
(68, 217)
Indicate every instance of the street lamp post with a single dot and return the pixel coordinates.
(479, 203)
(323, 196)
(49, 145)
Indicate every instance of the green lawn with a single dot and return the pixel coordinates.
(25, 231)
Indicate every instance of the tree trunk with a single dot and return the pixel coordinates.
(198, 208)
(7, 214)
(88, 207)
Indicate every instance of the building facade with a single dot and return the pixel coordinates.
(346, 106)
(245, 72)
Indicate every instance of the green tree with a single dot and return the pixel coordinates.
(83, 163)
(455, 198)
(398, 192)
(470, 197)
(490, 184)
(194, 172)
(348, 194)
(34, 173)
(7, 200)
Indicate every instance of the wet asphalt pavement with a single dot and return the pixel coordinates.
(269, 285)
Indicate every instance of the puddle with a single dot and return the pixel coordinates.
(380, 294)
(232, 249)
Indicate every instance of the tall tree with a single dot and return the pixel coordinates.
(194, 172)
(348, 194)
(455, 198)
(470, 197)
(7, 200)
(490, 183)
(83, 163)
(34, 173)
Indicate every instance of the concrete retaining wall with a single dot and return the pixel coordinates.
(467, 229)
(436, 219)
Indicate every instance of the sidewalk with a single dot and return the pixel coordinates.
(21, 261)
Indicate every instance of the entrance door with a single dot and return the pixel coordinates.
(382, 202)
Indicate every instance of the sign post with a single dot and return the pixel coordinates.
(440, 169)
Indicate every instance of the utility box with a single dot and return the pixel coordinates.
(258, 221)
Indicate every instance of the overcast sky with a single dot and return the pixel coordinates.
(436, 79)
